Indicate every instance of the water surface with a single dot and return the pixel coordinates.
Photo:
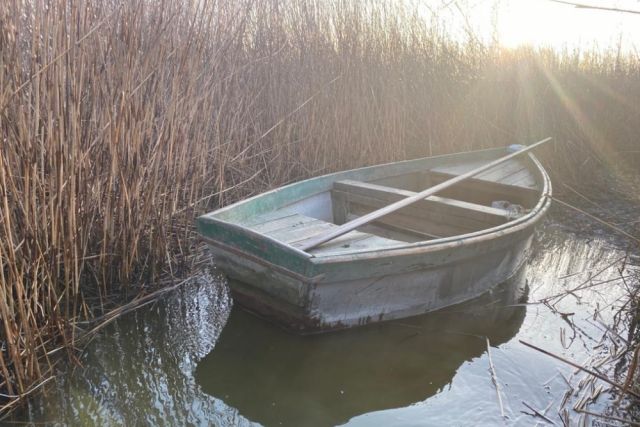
(192, 360)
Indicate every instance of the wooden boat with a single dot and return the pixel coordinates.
(439, 251)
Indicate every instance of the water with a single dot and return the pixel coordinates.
(192, 360)
(279, 379)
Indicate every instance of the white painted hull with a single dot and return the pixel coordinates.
(312, 307)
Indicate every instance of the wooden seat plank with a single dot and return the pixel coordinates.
(393, 232)
(305, 231)
(433, 205)
(499, 174)
(370, 242)
(522, 179)
(285, 222)
(295, 229)
(352, 241)
(459, 168)
(484, 192)
(418, 222)
(265, 218)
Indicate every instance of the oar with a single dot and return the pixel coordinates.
(372, 216)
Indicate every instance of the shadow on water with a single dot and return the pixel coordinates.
(184, 361)
(276, 378)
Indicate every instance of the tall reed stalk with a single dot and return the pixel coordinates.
(120, 121)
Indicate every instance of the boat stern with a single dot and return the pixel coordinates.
(267, 277)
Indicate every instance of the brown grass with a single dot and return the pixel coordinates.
(120, 121)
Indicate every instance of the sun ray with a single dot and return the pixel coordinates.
(602, 146)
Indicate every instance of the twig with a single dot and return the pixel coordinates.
(565, 398)
(31, 390)
(564, 417)
(226, 190)
(298, 108)
(595, 218)
(632, 370)
(133, 305)
(582, 368)
(588, 6)
(6, 408)
(587, 283)
(538, 413)
(609, 417)
(494, 379)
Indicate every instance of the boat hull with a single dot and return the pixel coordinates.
(402, 286)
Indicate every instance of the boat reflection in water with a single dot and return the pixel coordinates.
(276, 378)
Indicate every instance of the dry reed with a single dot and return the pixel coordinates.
(122, 120)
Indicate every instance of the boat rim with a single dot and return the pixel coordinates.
(458, 240)
(413, 248)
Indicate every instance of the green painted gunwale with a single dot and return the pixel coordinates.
(224, 227)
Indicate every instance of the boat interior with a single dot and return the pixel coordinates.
(494, 197)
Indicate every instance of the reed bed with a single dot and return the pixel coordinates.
(122, 120)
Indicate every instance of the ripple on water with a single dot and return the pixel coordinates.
(176, 363)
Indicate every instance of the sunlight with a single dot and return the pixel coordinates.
(539, 23)
(547, 23)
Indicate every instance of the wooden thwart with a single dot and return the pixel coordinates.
(405, 221)
(478, 191)
(436, 204)
(363, 220)
(429, 218)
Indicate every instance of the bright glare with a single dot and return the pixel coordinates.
(541, 22)
(547, 23)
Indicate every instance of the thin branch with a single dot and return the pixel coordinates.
(494, 378)
(595, 218)
(582, 368)
(588, 6)
(538, 413)
(610, 417)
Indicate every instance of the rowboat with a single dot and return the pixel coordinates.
(369, 244)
